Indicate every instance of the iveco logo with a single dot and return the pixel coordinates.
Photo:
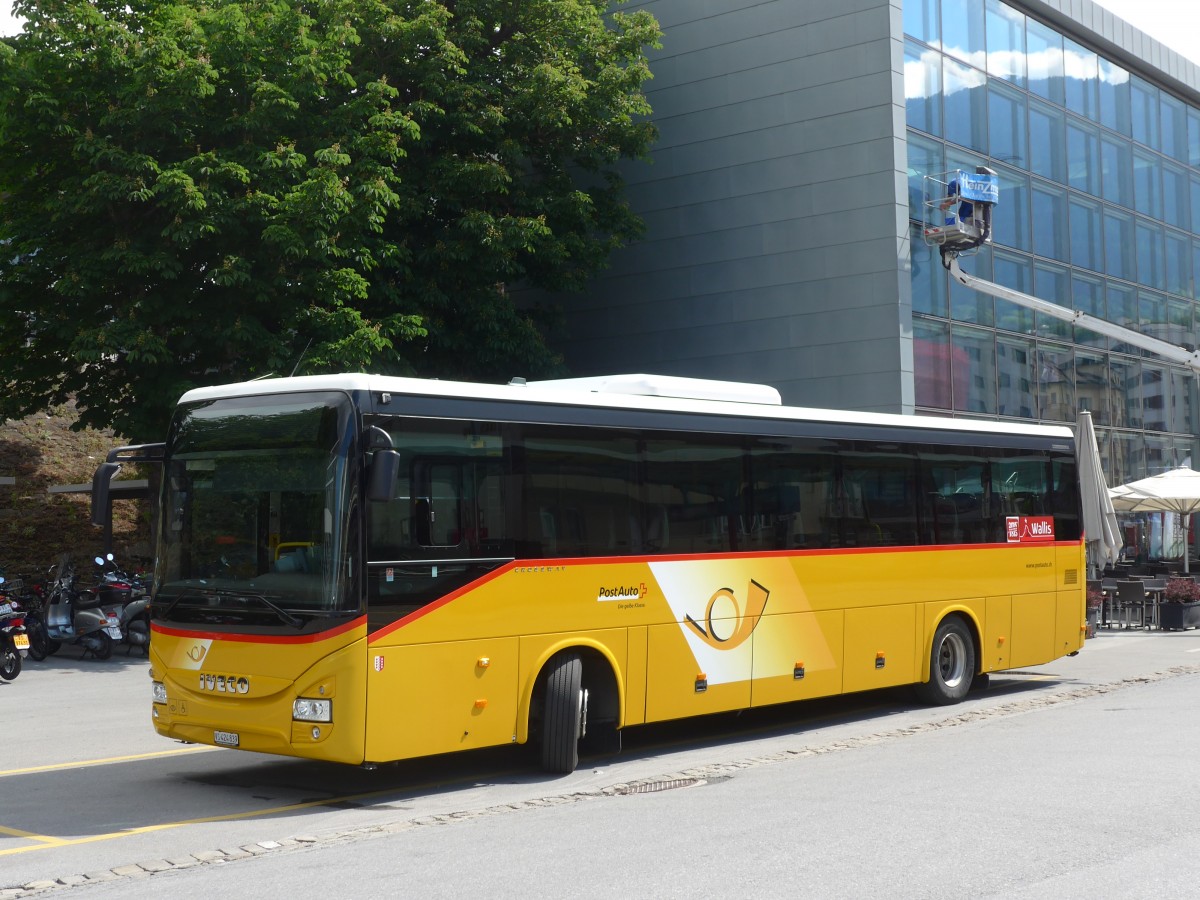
(224, 684)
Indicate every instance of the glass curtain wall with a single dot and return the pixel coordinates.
(1099, 211)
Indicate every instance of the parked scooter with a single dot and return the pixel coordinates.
(127, 595)
(77, 617)
(33, 601)
(14, 643)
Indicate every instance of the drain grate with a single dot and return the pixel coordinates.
(654, 787)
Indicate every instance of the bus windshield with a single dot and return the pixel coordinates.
(258, 503)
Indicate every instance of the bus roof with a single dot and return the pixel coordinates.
(642, 392)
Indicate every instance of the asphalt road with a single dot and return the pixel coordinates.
(1072, 779)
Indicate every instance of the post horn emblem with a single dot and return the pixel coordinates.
(744, 620)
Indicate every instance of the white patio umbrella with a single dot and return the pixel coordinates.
(1176, 490)
(1099, 518)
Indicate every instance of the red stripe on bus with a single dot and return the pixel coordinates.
(519, 564)
(440, 602)
(752, 554)
(262, 638)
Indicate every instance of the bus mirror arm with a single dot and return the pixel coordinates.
(107, 470)
(375, 438)
(104, 475)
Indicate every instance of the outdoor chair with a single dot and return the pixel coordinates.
(1112, 605)
(1155, 587)
(1134, 601)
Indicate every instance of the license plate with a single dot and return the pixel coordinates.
(114, 632)
(21, 641)
(225, 738)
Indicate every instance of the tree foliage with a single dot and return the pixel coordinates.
(206, 191)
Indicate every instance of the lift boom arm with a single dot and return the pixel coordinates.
(1165, 349)
(958, 219)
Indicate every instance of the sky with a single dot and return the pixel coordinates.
(1175, 23)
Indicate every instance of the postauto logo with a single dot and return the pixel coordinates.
(608, 594)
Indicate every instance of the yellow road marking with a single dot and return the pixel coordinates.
(165, 826)
(16, 832)
(85, 763)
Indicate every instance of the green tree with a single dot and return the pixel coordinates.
(205, 191)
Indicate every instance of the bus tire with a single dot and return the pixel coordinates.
(951, 664)
(563, 714)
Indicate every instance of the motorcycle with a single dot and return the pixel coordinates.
(33, 601)
(126, 594)
(78, 617)
(14, 643)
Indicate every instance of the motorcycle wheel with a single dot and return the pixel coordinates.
(10, 663)
(138, 635)
(104, 649)
(39, 644)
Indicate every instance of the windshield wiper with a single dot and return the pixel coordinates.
(186, 592)
(220, 595)
(294, 621)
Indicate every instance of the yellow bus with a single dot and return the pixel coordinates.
(363, 569)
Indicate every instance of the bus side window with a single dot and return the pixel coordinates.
(578, 492)
(422, 521)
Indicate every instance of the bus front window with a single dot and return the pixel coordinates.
(258, 499)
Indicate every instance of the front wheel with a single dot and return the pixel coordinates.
(39, 644)
(10, 663)
(951, 664)
(564, 714)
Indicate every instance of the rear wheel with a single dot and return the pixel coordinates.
(103, 646)
(39, 644)
(564, 714)
(10, 663)
(138, 635)
(951, 664)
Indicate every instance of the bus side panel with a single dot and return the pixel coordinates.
(635, 678)
(675, 685)
(1072, 622)
(997, 633)
(435, 698)
(810, 645)
(880, 647)
(1034, 623)
(1072, 598)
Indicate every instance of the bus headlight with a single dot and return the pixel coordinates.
(159, 691)
(312, 710)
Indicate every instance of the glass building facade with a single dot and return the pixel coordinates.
(1099, 212)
